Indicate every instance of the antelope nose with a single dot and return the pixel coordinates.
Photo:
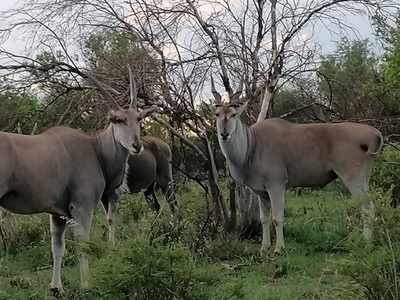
(224, 135)
(137, 146)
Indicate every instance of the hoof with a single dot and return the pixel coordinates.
(84, 286)
(279, 252)
(367, 233)
(57, 292)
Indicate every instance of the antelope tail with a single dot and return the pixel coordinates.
(378, 145)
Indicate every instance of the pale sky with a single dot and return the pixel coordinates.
(12, 45)
(16, 45)
(323, 37)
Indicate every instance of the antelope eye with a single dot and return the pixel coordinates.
(234, 115)
(217, 114)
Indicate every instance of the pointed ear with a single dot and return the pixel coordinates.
(234, 101)
(148, 112)
(113, 117)
(242, 108)
(235, 97)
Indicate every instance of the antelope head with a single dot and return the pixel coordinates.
(227, 116)
(126, 121)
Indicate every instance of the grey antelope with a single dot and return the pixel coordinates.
(64, 173)
(143, 172)
(273, 155)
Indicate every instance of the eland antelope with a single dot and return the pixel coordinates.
(64, 173)
(273, 155)
(143, 172)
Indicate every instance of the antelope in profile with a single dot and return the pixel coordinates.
(64, 173)
(273, 155)
(143, 172)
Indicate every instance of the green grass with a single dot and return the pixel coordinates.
(317, 225)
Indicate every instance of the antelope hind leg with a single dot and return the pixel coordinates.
(277, 196)
(358, 189)
(265, 214)
(83, 219)
(151, 199)
(170, 197)
(368, 210)
(110, 202)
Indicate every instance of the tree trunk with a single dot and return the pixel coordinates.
(276, 68)
(250, 206)
(221, 211)
(232, 228)
(176, 157)
(267, 99)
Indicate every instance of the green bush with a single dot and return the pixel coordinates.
(24, 232)
(375, 267)
(132, 207)
(226, 248)
(385, 173)
(142, 269)
(318, 224)
(189, 228)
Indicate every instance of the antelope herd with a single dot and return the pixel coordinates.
(66, 174)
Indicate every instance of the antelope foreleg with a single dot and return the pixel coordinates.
(57, 230)
(111, 215)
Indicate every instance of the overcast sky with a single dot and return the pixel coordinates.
(16, 45)
(11, 45)
(323, 37)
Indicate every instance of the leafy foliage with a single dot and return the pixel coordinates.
(385, 173)
(140, 269)
(349, 79)
(390, 36)
(21, 111)
(155, 253)
(111, 44)
(376, 267)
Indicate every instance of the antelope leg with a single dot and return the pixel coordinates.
(57, 230)
(265, 213)
(83, 219)
(277, 195)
